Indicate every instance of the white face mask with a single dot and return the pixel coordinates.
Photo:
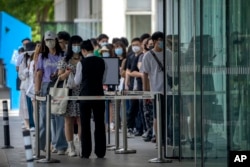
(50, 44)
(136, 49)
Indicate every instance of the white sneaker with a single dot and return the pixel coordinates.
(54, 150)
(61, 152)
(32, 129)
(72, 153)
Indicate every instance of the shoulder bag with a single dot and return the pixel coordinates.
(59, 107)
(170, 81)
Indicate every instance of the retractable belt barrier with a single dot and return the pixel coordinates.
(108, 96)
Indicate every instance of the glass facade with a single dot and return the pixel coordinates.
(210, 66)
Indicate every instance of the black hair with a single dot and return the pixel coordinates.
(74, 39)
(94, 42)
(101, 36)
(145, 46)
(120, 43)
(114, 40)
(25, 39)
(144, 36)
(87, 45)
(156, 35)
(135, 39)
(45, 49)
(63, 35)
(125, 41)
(21, 49)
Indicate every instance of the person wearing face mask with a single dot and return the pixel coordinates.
(105, 52)
(66, 66)
(46, 72)
(63, 39)
(152, 70)
(133, 82)
(90, 73)
(102, 40)
(120, 52)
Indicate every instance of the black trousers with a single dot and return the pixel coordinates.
(132, 113)
(98, 109)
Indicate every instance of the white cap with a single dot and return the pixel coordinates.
(49, 35)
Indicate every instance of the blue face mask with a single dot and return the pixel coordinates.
(160, 44)
(105, 54)
(103, 44)
(76, 49)
(118, 51)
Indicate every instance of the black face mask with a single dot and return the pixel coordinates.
(151, 47)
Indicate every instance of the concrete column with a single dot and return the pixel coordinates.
(113, 18)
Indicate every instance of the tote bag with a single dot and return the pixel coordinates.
(59, 107)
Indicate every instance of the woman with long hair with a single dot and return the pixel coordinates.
(67, 67)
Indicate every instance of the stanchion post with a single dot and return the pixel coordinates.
(28, 148)
(48, 136)
(108, 115)
(117, 122)
(37, 138)
(125, 149)
(116, 128)
(160, 158)
(6, 126)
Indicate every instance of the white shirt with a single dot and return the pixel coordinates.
(78, 75)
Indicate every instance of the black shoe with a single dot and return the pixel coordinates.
(100, 156)
(147, 139)
(138, 133)
(153, 140)
(83, 156)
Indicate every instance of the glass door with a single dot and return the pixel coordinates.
(239, 78)
(197, 37)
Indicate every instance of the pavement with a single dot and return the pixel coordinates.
(145, 151)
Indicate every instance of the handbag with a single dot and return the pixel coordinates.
(59, 107)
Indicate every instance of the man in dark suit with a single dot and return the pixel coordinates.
(89, 72)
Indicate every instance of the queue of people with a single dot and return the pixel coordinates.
(61, 56)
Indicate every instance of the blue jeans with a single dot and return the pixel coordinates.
(30, 110)
(57, 125)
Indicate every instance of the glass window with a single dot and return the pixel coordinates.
(139, 5)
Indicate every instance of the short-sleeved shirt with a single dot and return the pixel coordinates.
(152, 68)
(48, 66)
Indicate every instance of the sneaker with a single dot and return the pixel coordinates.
(32, 129)
(130, 133)
(54, 150)
(72, 153)
(147, 139)
(138, 133)
(145, 134)
(153, 140)
(60, 152)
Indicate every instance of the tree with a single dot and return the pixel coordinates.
(31, 12)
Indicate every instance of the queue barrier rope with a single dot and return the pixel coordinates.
(111, 96)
